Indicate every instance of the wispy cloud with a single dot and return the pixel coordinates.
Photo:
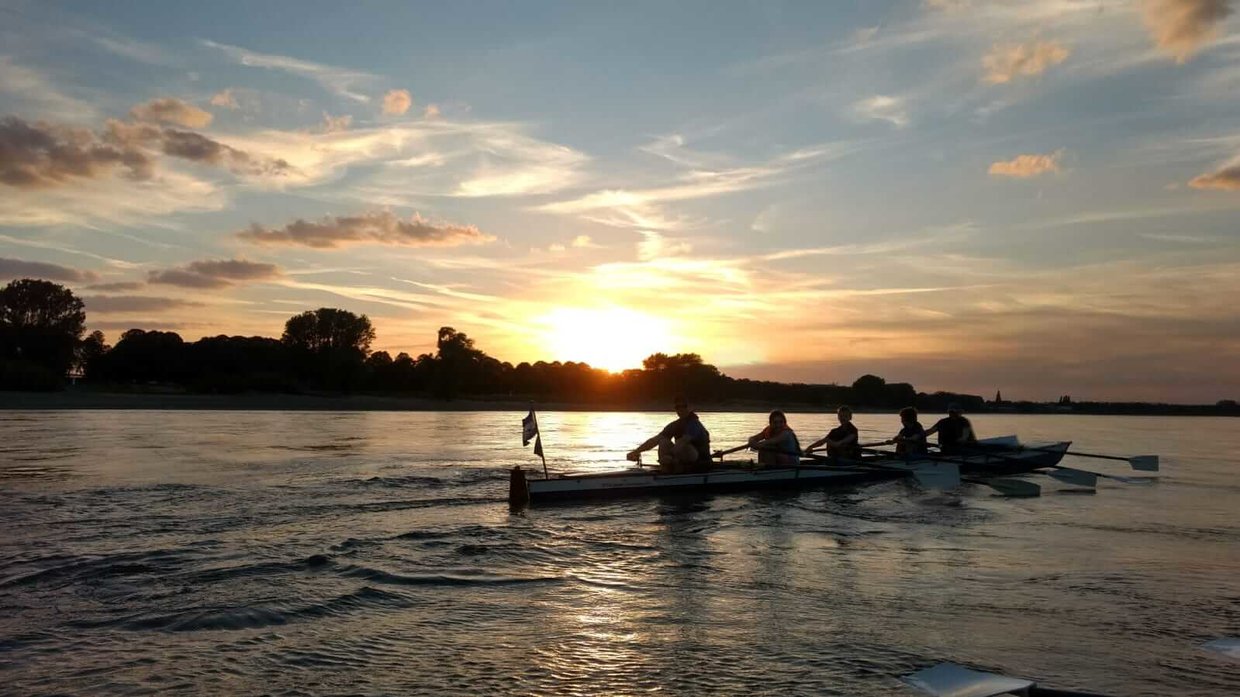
(883, 108)
(423, 158)
(368, 228)
(32, 91)
(116, 286)
(18, 268)
(1025, 166)
(109, 304)
(341, 81)
(641, 208)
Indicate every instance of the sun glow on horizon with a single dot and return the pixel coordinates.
(611, 338)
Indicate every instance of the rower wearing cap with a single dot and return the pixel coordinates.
(955, 431)
(684, 444)
(841, 441)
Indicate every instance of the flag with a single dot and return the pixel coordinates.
(529, 431)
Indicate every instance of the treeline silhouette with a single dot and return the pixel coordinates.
(42, 343)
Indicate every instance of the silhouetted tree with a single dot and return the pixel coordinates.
(41, 324)
(90, 350)
(869, 390)
(141, 357)
(329, 329)
(328, 346)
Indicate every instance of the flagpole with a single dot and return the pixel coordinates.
(538, 446)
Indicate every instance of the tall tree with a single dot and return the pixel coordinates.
(329, 346)
(40, 323)
(329, 329)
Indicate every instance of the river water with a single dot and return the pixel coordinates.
(290, 553)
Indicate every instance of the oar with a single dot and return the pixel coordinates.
(720, 453)
(1008, 487)
(1228, 647)
(1072, 475)
(944, 478)
(951, 680)
(1144, 463)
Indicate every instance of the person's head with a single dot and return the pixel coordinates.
(682, 405)
(777, 419)
(908, 415)
(844, 414)
(954, 409)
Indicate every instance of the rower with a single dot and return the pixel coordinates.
(955, 432)
(841, 441)
(911, 440)
(684, 444)
(777, 444)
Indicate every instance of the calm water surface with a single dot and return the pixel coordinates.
(373, 553)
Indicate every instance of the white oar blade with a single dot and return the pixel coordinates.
(1227, 646)
(1145, 463)
(1013, 487)
(1076, 477)
(941, 476)
(951, 680)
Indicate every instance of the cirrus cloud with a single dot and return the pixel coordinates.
(380, 227)
(106, 304)
(1026, 166)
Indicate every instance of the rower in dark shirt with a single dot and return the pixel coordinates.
(955, 432)
(841, 441)
(911, 440)
(684, 444)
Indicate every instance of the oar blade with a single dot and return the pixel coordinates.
(1017, 488)
(941, 476)
(1227, 646)
(1075, 477)
(951, 680)
(1144, 463)
(1130, 480)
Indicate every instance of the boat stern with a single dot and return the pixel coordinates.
(518, 489)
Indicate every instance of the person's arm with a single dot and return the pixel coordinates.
(932, 430)
(650, 444)
(815, 445)
(755, 439)
(757, 443)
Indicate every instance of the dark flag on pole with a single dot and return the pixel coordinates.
(529, 430)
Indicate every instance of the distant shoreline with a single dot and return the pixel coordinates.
(84, 399)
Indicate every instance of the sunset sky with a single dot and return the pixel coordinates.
(1037, 196)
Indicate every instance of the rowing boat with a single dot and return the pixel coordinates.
(994, 457)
